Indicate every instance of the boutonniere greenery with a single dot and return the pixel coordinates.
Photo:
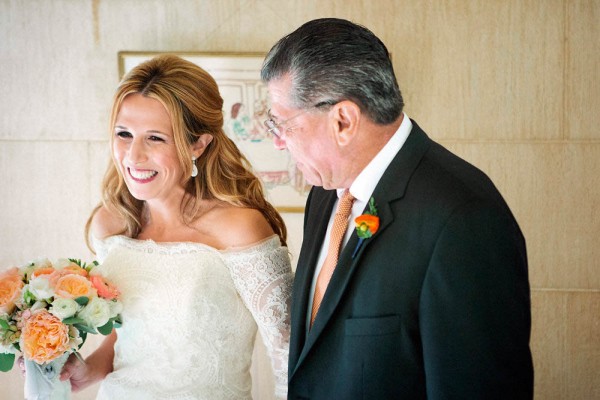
(366, 225)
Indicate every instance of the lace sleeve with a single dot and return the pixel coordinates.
(100, 247)
(263, 277)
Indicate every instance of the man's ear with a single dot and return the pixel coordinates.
(200, 145)
(347, 116)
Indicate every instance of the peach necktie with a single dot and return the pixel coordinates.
(338, 229)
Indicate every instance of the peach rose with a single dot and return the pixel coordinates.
(66, 266)
(74, 269)
(11, 284)
(44, 337)
(72, 286)
(105, 289)
(42, 271)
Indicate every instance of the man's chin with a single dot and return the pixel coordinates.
(311, 180)
(313, 183)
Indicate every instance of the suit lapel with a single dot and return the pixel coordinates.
(390, 188)
(392, 185)
(318, 213)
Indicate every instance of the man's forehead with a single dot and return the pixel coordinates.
(279, 88)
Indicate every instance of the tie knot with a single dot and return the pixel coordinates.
(345, 204)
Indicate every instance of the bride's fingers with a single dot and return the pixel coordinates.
(21, 363)
(68, 369)
(65, 374)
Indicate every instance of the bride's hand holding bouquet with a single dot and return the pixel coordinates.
(46, 311)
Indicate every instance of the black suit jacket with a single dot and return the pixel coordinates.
(435, 305)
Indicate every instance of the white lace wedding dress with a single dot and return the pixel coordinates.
(190, 317)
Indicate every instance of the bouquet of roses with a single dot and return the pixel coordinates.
(46, 311)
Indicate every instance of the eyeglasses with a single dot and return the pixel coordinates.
(275, 128)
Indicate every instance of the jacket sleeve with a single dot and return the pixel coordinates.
(475, 308)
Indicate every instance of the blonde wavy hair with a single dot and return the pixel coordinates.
(192, 99)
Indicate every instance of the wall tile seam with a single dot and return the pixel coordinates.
(565, 74)
(4, 140)
(564, 290)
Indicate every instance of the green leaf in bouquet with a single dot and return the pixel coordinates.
(89, 267)
(83, 264)
(7, 361)
(77, 261)
(17, 346)
(117, 321)
(83, 336)
(84, 328)
(82, 301)
(28, 297)
(73, 321)
(4, 324)
(107, 328)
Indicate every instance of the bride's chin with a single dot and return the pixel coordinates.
(136, 195)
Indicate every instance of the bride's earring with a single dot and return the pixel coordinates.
(194, 168)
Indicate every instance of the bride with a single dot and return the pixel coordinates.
(185, 233)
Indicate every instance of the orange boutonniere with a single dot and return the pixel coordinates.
(366, 225)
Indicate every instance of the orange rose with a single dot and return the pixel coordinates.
(44, 337)
(105, 289)
(366, 225)
(74, 269)
(72, 286)
(11, 284)
(42, 271)
(69, 267)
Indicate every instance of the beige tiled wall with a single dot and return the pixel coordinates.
(512, 86)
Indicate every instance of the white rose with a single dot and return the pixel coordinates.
(96, 313)
(40, 287)
(64, 308)
(7, 348)
(38, 305)
(116, 307)
(74, 339)
(28, 269)
(61, 263)
(41, 263)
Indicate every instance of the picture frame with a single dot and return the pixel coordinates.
(245, 106)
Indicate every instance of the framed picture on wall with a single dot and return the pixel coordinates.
(245, 106)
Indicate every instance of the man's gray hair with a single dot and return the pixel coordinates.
(332, 59)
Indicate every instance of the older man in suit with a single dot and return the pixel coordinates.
(427, 295)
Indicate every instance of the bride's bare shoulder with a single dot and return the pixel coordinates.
(238, 226)
(106, 223)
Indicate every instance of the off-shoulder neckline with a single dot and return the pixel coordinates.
(266, 242)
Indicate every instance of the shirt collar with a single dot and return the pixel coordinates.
(363, 186)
